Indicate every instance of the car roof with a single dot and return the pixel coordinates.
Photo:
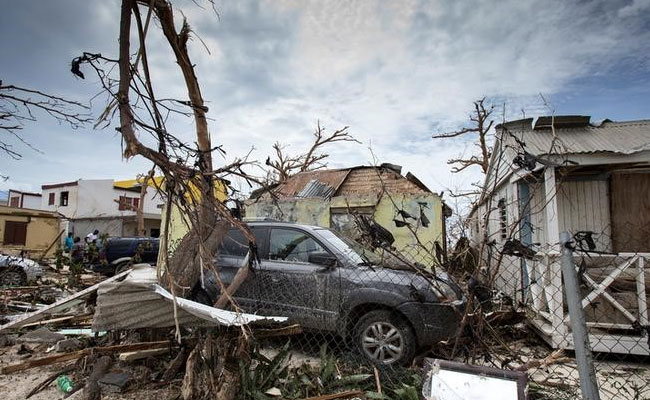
(283, 224)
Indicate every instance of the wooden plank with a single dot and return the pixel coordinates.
(630, 205)
(599, 288)
(38, 362)
(551, 208)
(57, 306)
(138, 355)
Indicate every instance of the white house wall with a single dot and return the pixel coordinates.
(584, 206)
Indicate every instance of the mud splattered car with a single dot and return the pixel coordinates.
(326, 282)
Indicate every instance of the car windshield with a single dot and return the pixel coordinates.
(358, 253)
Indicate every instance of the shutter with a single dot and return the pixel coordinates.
(20, 233)
(15, 233)
(50, 200)
(9, 232)
(122, 203)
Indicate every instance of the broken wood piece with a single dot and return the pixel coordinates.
(50, 321)
(555, 357)
(341, 395)
(100, 368)
(49, 380)
(39, 362)
(377, 383)
(294, 329)
(176, 365)
(60, 305)
(138, 355)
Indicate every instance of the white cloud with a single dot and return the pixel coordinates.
(395, 72)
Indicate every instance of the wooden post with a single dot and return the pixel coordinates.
(551, 210)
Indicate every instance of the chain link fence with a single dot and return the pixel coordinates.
(378, 310)
(613, 294)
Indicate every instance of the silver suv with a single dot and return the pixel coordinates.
(326, 282)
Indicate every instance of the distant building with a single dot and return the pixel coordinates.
(103, 204)
(33, 232)
(19, 199)
(331, 198)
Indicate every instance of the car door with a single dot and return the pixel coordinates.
(289, 285)
(229, 259)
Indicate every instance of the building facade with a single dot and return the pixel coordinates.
(103, 204)
(413, 214)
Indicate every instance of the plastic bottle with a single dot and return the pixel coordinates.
(64, 383)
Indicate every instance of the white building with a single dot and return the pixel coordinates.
(565, 174)
(103, 204)
(19, 199)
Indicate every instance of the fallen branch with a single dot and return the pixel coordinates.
(341, 395)
(553, 358)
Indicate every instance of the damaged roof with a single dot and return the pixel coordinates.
(139, 302)
(359, 180)
(575, 135)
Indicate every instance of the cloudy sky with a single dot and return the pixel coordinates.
(396, 72)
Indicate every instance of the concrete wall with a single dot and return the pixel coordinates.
(42, 230)
(95, 198)
(316, 211)
(69, 211)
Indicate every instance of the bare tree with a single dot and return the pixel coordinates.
(481, 124)
(189, 176)
(19, 105)
(282, 166)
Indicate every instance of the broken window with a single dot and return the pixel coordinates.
(15, 202)
(63, 200)
(290, 245)
(50, 200)
(15, 233)
(136, 202)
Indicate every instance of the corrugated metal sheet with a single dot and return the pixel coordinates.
(139, 302)
(612, 137)
(298, 182)
(316, 189)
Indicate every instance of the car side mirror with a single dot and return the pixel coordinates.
(325, 259)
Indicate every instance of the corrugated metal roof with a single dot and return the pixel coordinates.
(139, 302)
(610, 137)
(297, 183)
(316, 188)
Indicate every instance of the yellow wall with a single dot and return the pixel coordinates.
(178, 226)
(41, 232)
(316, 211)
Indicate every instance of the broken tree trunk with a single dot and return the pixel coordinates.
(212, 369)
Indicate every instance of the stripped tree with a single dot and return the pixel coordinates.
(188, 170)
(282, 166)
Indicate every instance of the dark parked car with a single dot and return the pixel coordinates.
(117, 253)
(326, 282)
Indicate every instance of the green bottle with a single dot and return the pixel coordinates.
(64, 383)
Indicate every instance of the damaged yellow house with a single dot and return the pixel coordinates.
(413, 214)
(34, 232)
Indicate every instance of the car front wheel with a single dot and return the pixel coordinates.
(385, 338)
(13, 276)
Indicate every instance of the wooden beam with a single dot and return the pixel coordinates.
(38, 362)
(140, 354)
